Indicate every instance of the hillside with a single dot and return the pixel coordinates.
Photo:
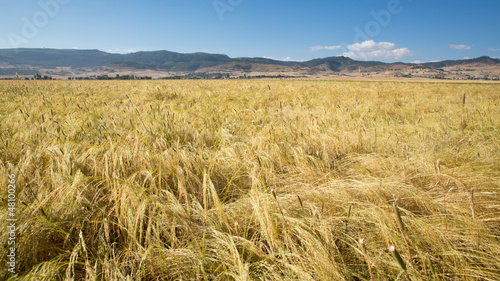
(64, 63)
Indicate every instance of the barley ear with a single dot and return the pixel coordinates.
(397, 256)
(398, 215)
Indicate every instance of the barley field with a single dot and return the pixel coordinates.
(251, 180)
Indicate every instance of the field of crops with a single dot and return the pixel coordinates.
(250, 180)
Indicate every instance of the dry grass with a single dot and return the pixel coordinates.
(252, 180)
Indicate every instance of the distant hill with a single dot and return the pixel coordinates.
(445, 63)
(66, 62)
(47, 58)
(342, 63)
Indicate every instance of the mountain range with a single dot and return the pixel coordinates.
(63, 63)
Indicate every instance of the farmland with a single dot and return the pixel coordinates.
(251, 180)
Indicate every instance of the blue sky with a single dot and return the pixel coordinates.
(388, 30)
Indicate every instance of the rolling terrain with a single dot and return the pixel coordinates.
(157, 64)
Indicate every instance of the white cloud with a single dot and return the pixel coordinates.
(460, 47)
(417, 61)
(282, 59)
(122, 51)
(467, 58)
(368, 50)
(329, 48)
(493, 49)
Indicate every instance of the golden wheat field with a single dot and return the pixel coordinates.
(250, 180)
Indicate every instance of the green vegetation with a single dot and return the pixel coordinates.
(251, 180)
(165, 60)
(172, 61)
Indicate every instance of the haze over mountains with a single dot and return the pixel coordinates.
(64, 63)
